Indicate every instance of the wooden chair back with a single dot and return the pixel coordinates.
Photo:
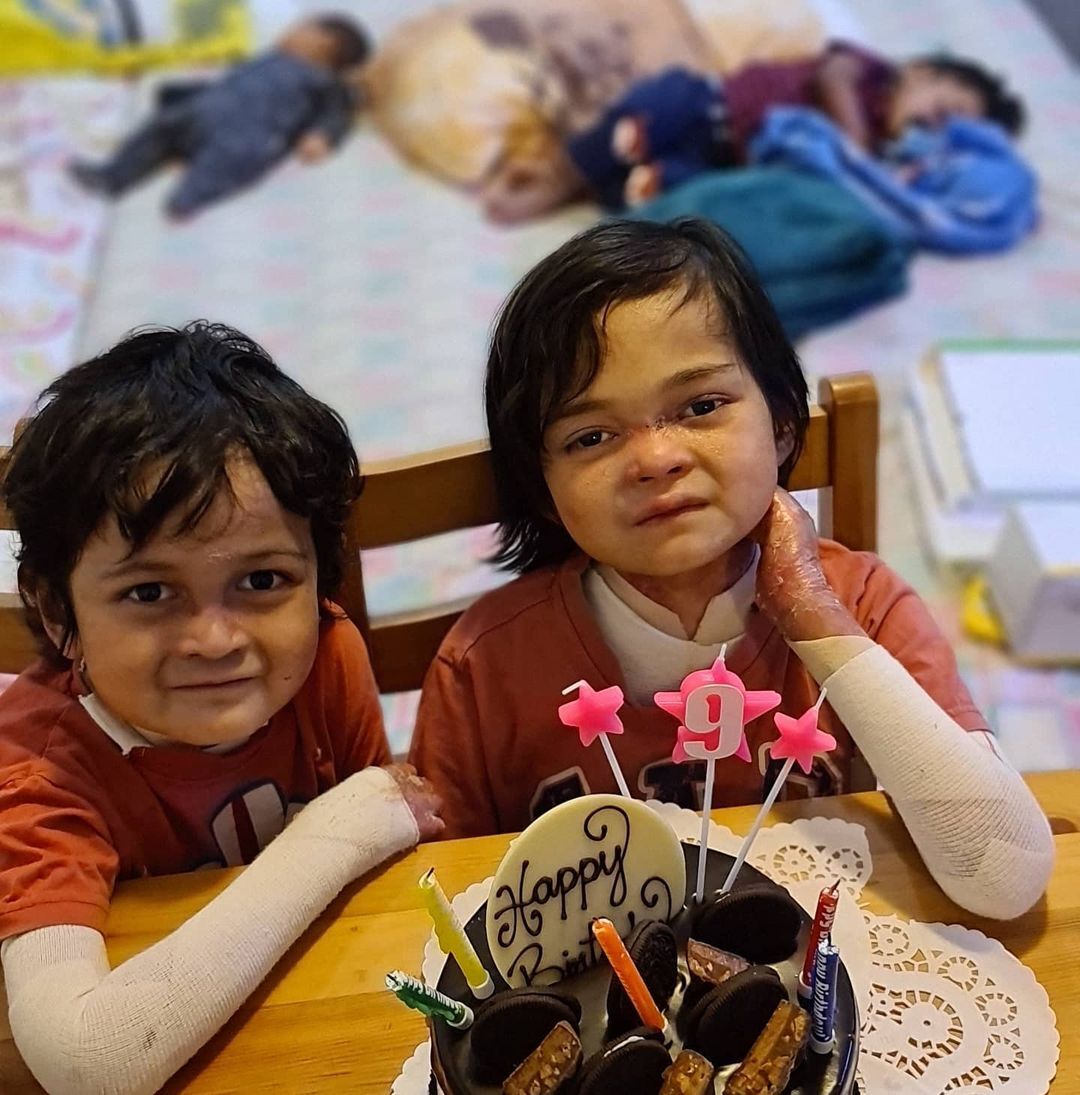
(453, 488)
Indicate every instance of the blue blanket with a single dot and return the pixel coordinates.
(820, 253)
(960, 189)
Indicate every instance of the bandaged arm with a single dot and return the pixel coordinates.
(84, 1029)
(978, 828)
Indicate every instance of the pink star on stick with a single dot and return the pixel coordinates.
(594, 715)
(800, 739)
(754, 703)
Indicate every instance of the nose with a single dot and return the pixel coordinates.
(656, 453)
(212, 632)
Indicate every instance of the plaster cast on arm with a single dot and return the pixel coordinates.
(976, 824)
(84, 1029)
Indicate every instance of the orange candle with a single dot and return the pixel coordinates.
(623, 966)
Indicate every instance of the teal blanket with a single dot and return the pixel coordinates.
(820, 253)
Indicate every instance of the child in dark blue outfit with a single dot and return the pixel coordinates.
(230, 133)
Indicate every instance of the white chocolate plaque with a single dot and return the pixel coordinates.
(600, 855)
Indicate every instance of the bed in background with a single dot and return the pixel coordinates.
(375, 283)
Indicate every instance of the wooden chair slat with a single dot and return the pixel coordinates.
(404, 644)
(420, 496)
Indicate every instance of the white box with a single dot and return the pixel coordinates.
(1034, 581)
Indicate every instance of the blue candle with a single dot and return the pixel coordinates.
(823, 1008)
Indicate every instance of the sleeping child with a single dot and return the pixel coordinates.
(295, 98)
(675, 125)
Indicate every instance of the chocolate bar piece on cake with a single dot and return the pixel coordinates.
(690, 1074)
(767, 1068)
(550, 1066)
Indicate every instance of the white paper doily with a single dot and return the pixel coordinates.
(953, 1010)
(944, 1008)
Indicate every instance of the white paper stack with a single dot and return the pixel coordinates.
(986, 426)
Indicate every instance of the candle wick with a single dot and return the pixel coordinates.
(572, 687)
(821, 699)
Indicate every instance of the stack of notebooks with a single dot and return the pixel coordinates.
(987, 425)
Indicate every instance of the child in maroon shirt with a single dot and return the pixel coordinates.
(670, 127)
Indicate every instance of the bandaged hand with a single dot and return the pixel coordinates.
(791, 586)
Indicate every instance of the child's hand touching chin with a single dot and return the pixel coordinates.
(791, 586)
(420, 797)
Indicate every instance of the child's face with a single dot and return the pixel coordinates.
(201, 636)
(926, 97)
(313, 43)
(668, 460)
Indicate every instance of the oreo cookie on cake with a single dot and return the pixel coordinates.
(509, 1026)
(724, 1023)
(759, 922)
(632, 1064)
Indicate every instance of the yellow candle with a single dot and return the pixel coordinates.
(452, 937)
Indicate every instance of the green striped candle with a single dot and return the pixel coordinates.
(428, 1001)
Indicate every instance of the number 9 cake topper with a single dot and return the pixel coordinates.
(713, 706)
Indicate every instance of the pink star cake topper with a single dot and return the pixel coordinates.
(593, 713)
(800, 739)
(713, 706)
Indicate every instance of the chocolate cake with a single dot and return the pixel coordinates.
(724, 1013)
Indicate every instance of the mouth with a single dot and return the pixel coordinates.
(213, 686)
(660, 513)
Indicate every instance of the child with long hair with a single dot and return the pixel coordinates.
(645, 410)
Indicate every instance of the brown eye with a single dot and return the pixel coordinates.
(702, 407)
(587, 440)
(261, 581)
(146, 593)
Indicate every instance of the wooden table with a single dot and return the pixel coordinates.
(323, 1021)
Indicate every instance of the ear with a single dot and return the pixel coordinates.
(785, 446)
(52, 625)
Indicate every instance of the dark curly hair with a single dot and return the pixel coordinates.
(547, 346)
(180, 402)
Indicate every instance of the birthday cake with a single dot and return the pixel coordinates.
(714, 1007)
(610, 958)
